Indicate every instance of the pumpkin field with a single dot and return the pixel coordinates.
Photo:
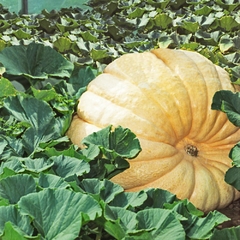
(121, 121)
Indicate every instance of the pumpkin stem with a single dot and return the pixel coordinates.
(191, 150)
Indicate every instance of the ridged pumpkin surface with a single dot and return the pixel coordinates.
(164, 97)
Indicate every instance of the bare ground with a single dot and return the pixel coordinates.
(233, 212)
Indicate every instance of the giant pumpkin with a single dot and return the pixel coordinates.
(164, 96)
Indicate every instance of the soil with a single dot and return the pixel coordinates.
(233, 212)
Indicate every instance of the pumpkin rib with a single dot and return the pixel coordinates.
(179, 178)
(177, 61)
(202, 177)
(188, 96)
(153, 150)
(217, 158)
(188, 54)
(150, 176)
(223, 191)
(209, 76)
(141, 113)
(120, 115)
(151, 84)
(222, 76)
(227, 139)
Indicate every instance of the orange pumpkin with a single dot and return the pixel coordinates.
(164, 96)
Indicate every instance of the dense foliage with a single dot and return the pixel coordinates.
(49, 189)
(111, 28)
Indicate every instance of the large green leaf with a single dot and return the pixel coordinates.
(58, 213)
(120, 140)
(161, 224)
(226, 234)
(157, 198)
(196, 225)
(115, 146)
(35, 61)
(65, 166)
(51, 181)
(14, 187)
(119, 222)
(43, 125)
(37, 165)
(14, 164)
(201, 228)
(12, 214)
(129, 199)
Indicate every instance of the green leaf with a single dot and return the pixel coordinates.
(202, 227)
(46, 95)
(37, 165)
(137, 13)
(205, 10)
(232, 177)
(52, 181)
(226, 43)
(6, 88)
(12, 164)
(98, 54)
(191, 26)
(91, 152)
(39, 115)
(62, 44)
(80, 78)
(162, 20)
(121, 140)
(13, 232)
(14, 187)
(119, 222)
(47, 25)
(67, 24)
(157, 198)
(227, 233)
(65, 166)
(105, 189)
(20, 34)
(228, 23)
(115, 145)
(235, 155)
(161, 224)
(58, 213)
(229, 103)
(35, 61)
(129, 199)
(11, 214)
(88, 36)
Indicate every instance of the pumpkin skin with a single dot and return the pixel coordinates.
(164, 96)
